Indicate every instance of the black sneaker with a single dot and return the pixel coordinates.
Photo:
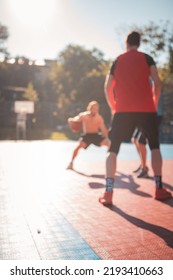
(143, 173)
(70, 166)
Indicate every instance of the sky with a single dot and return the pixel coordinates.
(41, 29)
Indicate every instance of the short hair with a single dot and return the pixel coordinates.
(91, 104)
(133, 39)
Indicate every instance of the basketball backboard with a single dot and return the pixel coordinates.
(26, 107)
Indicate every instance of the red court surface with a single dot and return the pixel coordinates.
(49, 212)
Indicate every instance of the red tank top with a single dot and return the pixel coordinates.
(132, 85)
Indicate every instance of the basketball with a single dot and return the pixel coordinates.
(75, 126)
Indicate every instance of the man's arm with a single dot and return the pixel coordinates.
(109, 92)
(156, 84)
(103, 127)
(77, 118)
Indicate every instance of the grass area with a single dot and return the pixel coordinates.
(58, 136)
(39, 134)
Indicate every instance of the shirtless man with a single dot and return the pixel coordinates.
(92, 122)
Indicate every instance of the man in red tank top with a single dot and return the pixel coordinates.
(135, 106)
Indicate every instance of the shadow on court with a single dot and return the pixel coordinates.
(165, 234)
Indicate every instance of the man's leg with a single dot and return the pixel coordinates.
(150, 127)
(111, 165)
(156, 162)
(140, 142)
(106, 198)
(143, 156)
(122, 128)
(135, 142)
(105, 142)
(75, 153)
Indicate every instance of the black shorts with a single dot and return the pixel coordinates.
(139, 136)
(124, 124)
(92, 138)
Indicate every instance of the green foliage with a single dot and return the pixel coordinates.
(171, 59)
(3, 37)
(77, 79)
(20, 73)
(166, 73)
(157, 38)
(30, 93)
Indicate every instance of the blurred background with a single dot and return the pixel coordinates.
(55, 54)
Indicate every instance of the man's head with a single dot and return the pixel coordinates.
(133, 40)
(93, 107)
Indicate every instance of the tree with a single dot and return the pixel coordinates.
(78, 78)
(171, 59)
(19, 73)
(166, 73)
(157, 39)
(3, 37)
(30, 93)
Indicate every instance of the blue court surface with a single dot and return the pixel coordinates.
(128, 152)
(48, 212)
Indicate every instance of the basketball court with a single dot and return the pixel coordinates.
(50, 213)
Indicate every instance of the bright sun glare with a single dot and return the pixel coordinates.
(34, 13)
